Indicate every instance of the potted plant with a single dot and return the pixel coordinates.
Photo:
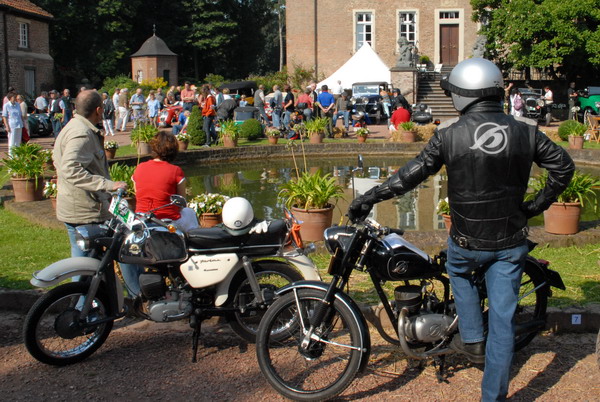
(310, 197)
(315, 129)
(229, 133)
(407, 130)
(563, 216)
(443, 208)
(141, 137)
(183, 139)
(26, 166)
(273, 135)
(110, 149)
(51, 191)
(122, 172)
(208, 207)
(362, 134)
(572, 131)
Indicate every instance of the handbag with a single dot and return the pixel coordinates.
(24, 135)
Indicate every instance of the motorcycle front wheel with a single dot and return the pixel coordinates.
(53, 332)
(320, 369)
(271, 275)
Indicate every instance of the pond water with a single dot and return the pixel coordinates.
(259, 182)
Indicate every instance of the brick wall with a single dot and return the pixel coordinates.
(335, 36)
(153, 67)
(35, 58)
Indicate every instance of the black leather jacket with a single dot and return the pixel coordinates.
(488, 157)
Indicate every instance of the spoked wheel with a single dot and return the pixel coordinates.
(271, 275)
(53, 332)
(598, 348)
(319, 368)
(530, 315)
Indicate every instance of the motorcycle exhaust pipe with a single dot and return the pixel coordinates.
(529, 327)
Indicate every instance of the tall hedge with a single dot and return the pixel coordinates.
(194, 127)
(251, 129)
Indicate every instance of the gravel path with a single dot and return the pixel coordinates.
(149, 361)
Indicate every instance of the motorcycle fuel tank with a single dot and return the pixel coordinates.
(153, 245)
(205, 270)
(395, 259)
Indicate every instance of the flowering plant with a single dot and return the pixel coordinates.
(208, 203)
(183, 137)
(272, 132)
(50, 190)
(362, 132)
(443, 208)
(111, 145)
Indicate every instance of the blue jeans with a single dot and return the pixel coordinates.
(345, 114)
(276, 116)
(287, 116)
(56, 126)
(503, 279)
(131, 272)
(208, 125)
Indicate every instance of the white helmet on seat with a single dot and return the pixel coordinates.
(237, 213)
(472, 80)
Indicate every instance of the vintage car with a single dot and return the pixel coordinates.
(589, 102)
(239, 88)
(365, 98)
(534, 105)
(169, 115)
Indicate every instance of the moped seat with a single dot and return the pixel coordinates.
(218, 239)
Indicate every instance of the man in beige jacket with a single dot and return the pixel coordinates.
(82, 169)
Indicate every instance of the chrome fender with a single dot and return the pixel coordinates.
(365, 337)
(299, 261)
(62, 270)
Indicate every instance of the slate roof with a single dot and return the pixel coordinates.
(154, 46)
(26, 6)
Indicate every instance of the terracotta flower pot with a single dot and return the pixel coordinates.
(313, 222)
(110, 153)
(361, 139)
(447, 221)
(575, 142)
(144, 148)
(53, 202)
(562, 218)
(273, 140)
(28, 189)
(229, 142)
(183, 145)
(208, 220)
(316, 139)
(408, 136)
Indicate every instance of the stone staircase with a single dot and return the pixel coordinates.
(429, 92)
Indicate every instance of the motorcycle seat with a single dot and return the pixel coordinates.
(217, 240)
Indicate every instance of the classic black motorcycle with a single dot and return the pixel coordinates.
(196, 275)
(328, 339)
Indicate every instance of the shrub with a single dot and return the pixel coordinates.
(194, 127)
(215, 79)
(571, 127)
(251, 129)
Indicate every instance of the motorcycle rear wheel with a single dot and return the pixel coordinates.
(52, 333)
(320, 371)
(269, 274)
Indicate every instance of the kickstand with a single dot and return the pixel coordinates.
(196, 325)
(440, 362)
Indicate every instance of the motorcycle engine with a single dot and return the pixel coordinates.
(427, 327)
(174, 306)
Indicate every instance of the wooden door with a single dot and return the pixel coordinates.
(449, 44)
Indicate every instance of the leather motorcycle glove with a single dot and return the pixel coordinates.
(529, 208)
(260, 227)
(359, 208)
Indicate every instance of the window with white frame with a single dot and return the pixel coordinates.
(408, 26)
(23, 35)
(449, 15)
(364, 29)
(140, 76)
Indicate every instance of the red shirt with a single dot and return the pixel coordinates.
(207, 109)
(305, 98)
(187, 93)
(155, 182)
(401, 115)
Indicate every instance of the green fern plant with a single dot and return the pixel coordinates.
(581, 188)
(229, 129)
(571, 128)
(27, 161)
(143, 133)
(122, 172)
(311, 191)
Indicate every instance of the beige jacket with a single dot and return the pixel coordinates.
(82, 169)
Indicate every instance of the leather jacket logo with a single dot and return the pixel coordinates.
(490, 138)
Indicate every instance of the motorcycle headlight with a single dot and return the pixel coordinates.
(597, 104)
(85, 235)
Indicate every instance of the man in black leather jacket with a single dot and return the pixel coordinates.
(488, 157)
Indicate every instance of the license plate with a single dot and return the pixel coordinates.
(122, 212)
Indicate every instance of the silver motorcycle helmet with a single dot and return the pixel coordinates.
(472, 80)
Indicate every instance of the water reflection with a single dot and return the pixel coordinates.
(259, 182)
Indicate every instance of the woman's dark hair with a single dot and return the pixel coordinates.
(164, 146)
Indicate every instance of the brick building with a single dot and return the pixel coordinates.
(25, 61)
(325, 34)
(154, 59)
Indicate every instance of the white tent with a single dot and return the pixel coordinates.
(364, 66)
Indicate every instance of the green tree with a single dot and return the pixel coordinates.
(559, 36)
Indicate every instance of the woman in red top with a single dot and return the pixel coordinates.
(209, 111)
(156, 180)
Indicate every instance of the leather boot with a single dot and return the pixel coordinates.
(475, 352)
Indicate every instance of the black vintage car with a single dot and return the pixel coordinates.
(534, 105)
(366, 98)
